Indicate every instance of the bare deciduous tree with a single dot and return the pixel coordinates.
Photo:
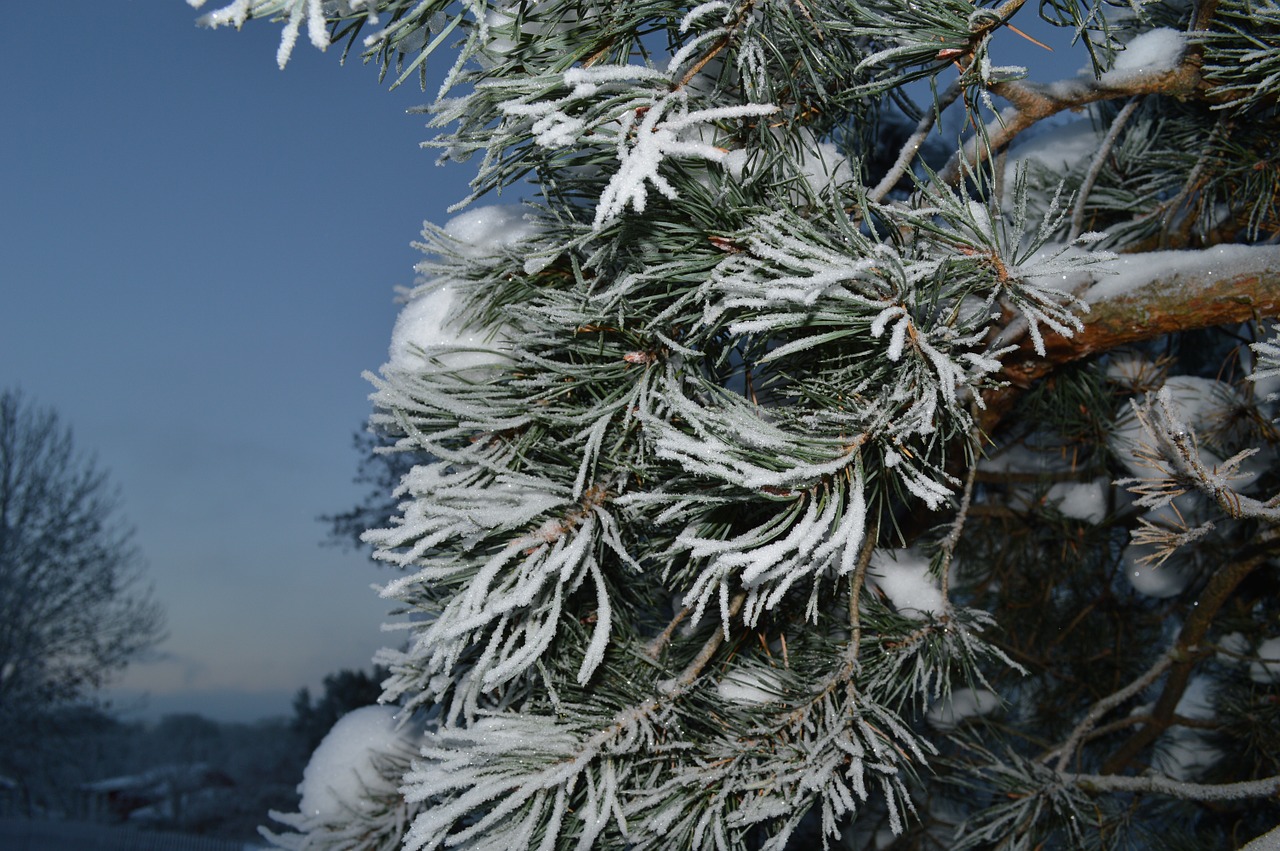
(73, 606)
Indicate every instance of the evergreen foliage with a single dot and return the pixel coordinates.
(850, 439)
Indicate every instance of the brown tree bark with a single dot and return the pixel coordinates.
(1191, 296)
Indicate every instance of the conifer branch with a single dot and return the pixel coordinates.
(1032, 103)
(1067, 749)
(1095, 168)
(912, 146)
(1186, 654)
(694, 668)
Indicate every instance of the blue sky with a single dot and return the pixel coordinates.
(199, 260)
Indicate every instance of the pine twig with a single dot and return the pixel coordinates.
(694, 668)
(1264, 788)
(912, 146)
(1099, 709)
(950, 542)
(655, 646)
(1099, 160)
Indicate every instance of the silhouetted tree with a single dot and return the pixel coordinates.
(344, 691)
(73, 610)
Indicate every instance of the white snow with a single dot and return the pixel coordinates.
(1232, 642)
(1081, 500)
(750, 687)
(903, 576)
(1020, 459)
(645, 141)
(427, 331)
(1183, 753)
(1167, 580)
(490, 230)
(298, 11)
(963, 703)
(1267, 667)
(1058, 147)
(1152, 52)
(341, 775)
(1187, 270)
(1202, 403)
(821, 164)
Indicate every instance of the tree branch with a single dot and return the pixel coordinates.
(1032, 103)
(1263, 788)
(1187, 652)
(1184, 290)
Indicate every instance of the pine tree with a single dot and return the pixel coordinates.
(850, 442)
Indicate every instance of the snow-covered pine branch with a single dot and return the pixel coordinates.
(765, 454)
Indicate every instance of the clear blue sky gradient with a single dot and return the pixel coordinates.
(199, 258)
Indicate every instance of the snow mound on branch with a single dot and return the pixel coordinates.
(489, 231)
(903, 577)
(342, 774)
(1267, 668)
(1152, 52)
(1080, 500)
(962, 704)
(426, 331)
(1121, 276)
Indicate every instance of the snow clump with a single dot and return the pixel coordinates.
(1267, 667)
(963, 703)
(1152, 52)
(1165, 580)
(1185, 753)
(1085, 501)
(427, 331)
(903, 577)
(489, 231)
(343, 774)
(750, 687)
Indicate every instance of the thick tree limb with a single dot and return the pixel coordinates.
(1185, 290)
(1188, 651)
